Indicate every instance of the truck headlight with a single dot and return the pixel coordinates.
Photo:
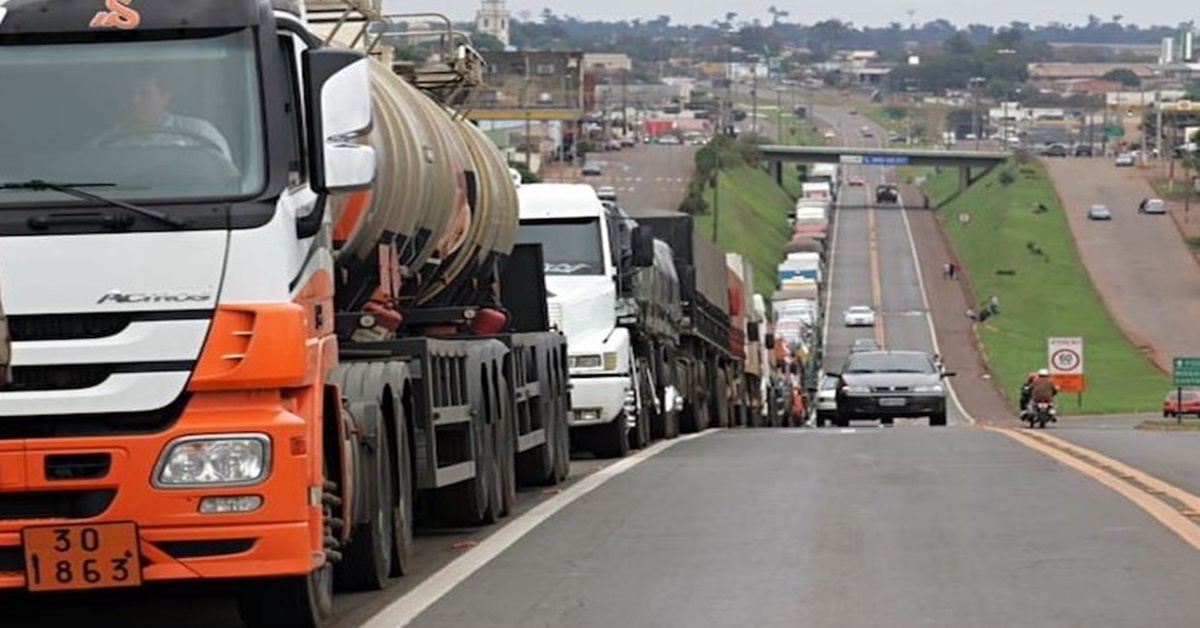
(857, 390)
(932, 388)
(584, 361)
(214, 460)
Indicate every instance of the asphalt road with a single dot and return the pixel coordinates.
(901, 527)
(647, 176)
(873, 262)
(1139, 263)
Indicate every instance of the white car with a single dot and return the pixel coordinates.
(1124, 160)
(826, 405)
(1099, 212)
(1153, 206)
(860, 316)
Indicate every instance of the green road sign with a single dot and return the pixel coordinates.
(1113, 130)
(1186, 371)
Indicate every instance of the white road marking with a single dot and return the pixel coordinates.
(408, 607)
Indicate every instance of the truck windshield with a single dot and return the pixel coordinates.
(569, 247)
(167, 120)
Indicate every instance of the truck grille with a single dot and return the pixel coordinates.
(66, 326)
(32, 378)
(55, 504)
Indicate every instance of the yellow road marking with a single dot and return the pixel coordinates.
(1111, 473)
(876, 285)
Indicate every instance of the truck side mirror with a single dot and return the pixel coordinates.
(769, 340)
(752, 332)
(337, 94)
(642, 242)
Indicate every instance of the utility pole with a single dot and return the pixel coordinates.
(624, 102)
(716, 208)
(1158, 125)
(976, 123)
(778, 115)
(754, 95)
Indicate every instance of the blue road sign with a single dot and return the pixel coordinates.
(885, 160)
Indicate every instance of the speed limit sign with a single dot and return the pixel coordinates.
(1065, 356)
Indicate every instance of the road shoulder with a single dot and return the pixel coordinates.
(948, 303)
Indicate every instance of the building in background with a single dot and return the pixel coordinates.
(492, 18)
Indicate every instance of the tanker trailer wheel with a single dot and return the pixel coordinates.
(296, 601)
(468, 503)
(541, 466)
(505, 447)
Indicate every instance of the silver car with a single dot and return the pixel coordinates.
(826, 405)
(1099, 212)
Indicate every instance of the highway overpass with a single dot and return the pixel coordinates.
(964, 160)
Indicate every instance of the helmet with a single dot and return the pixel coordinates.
(1043, 372)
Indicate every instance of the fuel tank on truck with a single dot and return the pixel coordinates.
(442, 197)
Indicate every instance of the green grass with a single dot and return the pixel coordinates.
(1046, 295)
(753, 221)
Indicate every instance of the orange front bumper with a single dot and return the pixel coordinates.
(175, 541)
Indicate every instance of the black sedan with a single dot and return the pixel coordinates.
(889, 385)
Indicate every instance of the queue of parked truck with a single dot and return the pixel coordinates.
(798, 303)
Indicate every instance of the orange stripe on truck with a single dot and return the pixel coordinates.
(348, 211)
(256, 345)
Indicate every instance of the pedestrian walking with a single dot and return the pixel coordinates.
(948, 270)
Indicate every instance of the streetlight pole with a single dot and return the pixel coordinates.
(975, 82)
(778, 115)
(754, 95)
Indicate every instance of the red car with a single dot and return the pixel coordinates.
(1191, 403)
(856, 182)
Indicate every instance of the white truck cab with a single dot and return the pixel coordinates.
(581, 277)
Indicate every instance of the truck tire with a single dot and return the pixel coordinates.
(938, 419)
(293, 601)
(506, 451)
(640, 436)
(469, 503)
(366, 562)
(612, 438)
(539, 467)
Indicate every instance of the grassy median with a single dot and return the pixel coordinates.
(752, 220)
(1015, 243)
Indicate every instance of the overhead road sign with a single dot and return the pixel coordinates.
(885, 160)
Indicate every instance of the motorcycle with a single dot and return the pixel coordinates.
(1040, 413)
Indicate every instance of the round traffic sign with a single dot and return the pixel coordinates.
(1065, 360)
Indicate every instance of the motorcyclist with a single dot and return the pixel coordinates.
(1025, 389)
(1042, 388)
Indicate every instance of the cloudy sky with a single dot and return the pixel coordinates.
(858, 12)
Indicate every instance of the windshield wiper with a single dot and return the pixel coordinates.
(75, 189)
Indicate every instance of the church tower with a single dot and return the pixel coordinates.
(492, 19)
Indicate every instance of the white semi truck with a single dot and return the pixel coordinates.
(615, 294)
